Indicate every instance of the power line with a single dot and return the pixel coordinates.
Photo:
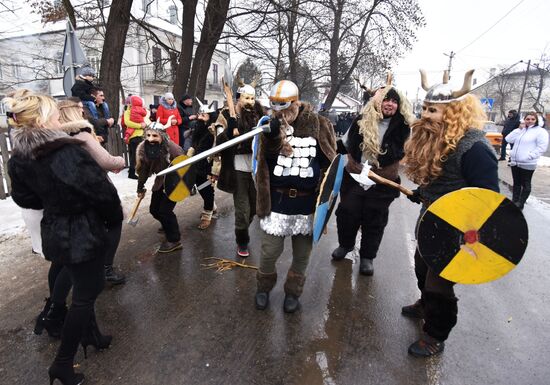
(491, 27)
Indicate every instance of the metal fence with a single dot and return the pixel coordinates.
(115, 146)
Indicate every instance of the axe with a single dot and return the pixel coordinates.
(133, 220)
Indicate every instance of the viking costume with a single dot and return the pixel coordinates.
(202, 140)
(236, 163)
(446, 152)
(153, 157)
(291, 161)
(379, 140)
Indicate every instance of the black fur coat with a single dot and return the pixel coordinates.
(50, 170)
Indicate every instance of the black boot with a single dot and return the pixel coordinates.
(366, 267)
(416, 310)
(340, 253)
(265, 282)
(39, 327)
(294, 286)
(522, 199)
(65, 373)
(516, 191)
(92, 336)
(112, 276)
(53, 321)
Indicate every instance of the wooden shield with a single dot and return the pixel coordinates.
(178, 184)
(330, 187)
(472, 236)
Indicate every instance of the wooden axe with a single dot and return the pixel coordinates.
(133, 220)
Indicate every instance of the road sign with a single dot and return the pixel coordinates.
(489, 102)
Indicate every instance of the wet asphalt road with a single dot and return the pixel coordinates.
(174, 322)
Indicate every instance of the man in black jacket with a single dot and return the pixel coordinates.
(377, 136)
(510, 124)
(104, 120)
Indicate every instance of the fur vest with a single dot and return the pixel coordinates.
(308, 123)
(50, 170)
(246, 121)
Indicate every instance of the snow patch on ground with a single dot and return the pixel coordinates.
(544, 161)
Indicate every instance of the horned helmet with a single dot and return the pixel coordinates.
(443, 92)
(246, 93)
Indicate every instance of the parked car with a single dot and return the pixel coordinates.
(492, 133)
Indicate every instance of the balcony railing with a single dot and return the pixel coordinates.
(153, 74)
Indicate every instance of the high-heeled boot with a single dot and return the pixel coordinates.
(92, 336)
(65, 373)
(53, 320)
(38, 326)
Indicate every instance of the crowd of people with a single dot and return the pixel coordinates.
(59, 168)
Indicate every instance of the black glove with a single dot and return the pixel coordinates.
(415, 197)
(274, 128)
(141, 187)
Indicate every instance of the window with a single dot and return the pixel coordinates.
(1, 72)
(2, 106)
(58, 63)
(214, 73)
(95, 63)
(173, 14)
(157, 60)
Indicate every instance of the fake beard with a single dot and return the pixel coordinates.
(152, 150)
(425, 151)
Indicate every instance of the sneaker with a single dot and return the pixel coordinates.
(416, 310)
(242, 251)
(168, 247)
(426, 347)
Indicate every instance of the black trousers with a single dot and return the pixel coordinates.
(358, 211)
(207, 193)
(59, 280)
(438, 299)
(522, 183)
(132, 147)
(88, 280)
(162, 209)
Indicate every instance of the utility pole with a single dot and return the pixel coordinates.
(524, 84)
(451, 57)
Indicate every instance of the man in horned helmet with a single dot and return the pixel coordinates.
(446, 152)
(377, 136)
(291, 162)
(236, 162)
(153, 155)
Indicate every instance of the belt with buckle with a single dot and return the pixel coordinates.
(293, 193)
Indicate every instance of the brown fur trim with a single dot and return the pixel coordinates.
(35, 142)
(294, 283)
(76, 126)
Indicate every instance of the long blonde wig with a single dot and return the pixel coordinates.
(372, 115)
(30, 110)
(431, 142)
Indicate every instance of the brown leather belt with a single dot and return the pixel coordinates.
(293, 193)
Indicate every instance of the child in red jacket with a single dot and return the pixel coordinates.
(168, 111)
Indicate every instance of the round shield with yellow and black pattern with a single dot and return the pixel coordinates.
(472, 236)
(178, 184)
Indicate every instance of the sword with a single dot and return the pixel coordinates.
(216, 149)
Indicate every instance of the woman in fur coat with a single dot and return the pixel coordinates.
(72, 122)
(51, 170)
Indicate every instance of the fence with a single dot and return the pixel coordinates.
(115, 146)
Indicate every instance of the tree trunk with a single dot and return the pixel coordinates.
(292, 59)
(183, 70)
(214, 21)
(113, 51)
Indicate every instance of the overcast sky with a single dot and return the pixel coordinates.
(458, 26)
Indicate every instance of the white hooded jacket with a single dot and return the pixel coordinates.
(529, 144)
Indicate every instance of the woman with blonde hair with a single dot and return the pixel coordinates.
(74, 124)
(51, 170)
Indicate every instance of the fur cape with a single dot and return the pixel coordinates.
(308, 123)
